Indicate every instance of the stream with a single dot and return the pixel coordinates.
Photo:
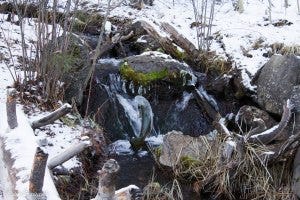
(123, 109)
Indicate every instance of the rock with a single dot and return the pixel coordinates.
(176, 145)
(172, 106)
(254, 120)
(142, 44)
(275, 82)
(161, 70)
(156, 61)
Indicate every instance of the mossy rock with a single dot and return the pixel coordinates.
(141, 78)
(158, 70)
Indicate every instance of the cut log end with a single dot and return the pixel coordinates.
(107, 179)
(11, 112)
(111, 166)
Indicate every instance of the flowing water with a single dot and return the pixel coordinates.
(123, 109)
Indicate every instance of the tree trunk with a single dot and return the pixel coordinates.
(11, 108)
(107, 180)
(180, 40)
(65, 109)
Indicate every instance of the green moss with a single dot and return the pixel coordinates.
(189, 162)
(142, 78)
(160, 50)
(157, 151)
(64, 60)
(180, 55)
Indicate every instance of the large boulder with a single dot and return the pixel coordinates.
(170, 97)
(275, 82)
(176, 146)
(164, 77)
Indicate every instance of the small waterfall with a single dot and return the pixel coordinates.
(208, 98)
(122, 110)
(181, 105)
(139, 114)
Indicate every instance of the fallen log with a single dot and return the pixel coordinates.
(166, 44)
(69, 153)
(180, 40)
(65, 109)
(203, 102)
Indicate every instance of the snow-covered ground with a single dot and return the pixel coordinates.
(236, 32)
(22, 141)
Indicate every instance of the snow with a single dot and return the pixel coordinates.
(21, 142)
(231, 143)
(234, 33)
(123, 147)
(120, 147)
(266, 132)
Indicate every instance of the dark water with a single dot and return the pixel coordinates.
(142, 170)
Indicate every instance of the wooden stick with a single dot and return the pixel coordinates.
(68, 154)
(11, 108)
(276, 131)
(36, 180)
(65, 109)
(107, 180)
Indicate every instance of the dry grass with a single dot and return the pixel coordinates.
(252, 178)
(153, 191)
(281, 48)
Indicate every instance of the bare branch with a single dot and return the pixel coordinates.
(276, 131)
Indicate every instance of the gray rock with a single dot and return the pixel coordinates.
(275, 82)
(254, 120)
(171, 109)
(155, 61)
(176, 145)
